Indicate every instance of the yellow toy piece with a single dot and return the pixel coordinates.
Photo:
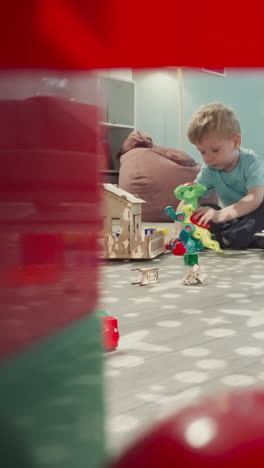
(165, 230)
(200, 233)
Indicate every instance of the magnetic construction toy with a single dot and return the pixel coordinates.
(193, 237)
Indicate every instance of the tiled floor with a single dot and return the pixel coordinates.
(179, 343)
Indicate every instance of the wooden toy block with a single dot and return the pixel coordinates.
(147, 276)
(194, 275)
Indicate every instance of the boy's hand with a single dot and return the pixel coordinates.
(205, 214)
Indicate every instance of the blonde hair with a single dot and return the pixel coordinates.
(213, 118)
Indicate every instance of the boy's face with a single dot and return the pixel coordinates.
(219, 152)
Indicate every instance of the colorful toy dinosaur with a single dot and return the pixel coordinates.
(190, 194)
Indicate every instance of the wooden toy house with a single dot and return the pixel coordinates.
(123, 235)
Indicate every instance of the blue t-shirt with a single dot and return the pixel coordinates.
(232, 186)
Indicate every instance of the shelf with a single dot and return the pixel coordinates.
(120, 101)
(109, 176)
(117, 125)
(118, 121)
(109, 171)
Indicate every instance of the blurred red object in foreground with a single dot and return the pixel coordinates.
(222, 431)
(49, 208)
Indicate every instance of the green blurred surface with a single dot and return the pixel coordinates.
(52, 401)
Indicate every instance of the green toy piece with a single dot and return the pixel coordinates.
(169, 211)
(199, 247)
(190, 259)
(190, 193)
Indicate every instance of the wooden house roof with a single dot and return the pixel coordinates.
(123, 193)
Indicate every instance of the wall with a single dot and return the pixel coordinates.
(157, 103)
(120, 73)
(74, 85)
(241, 90)
(157, 98)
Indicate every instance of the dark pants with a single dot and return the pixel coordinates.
(239, 233)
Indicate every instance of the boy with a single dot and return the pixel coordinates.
(235, 173)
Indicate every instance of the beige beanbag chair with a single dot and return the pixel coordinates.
(153, 172)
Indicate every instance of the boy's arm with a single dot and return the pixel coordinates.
(246, 205)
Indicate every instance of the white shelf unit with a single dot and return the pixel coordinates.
(119, 120)
(108, 124)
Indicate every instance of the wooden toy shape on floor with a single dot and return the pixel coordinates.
(194, 275)
(147, 276)
(123, 234)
